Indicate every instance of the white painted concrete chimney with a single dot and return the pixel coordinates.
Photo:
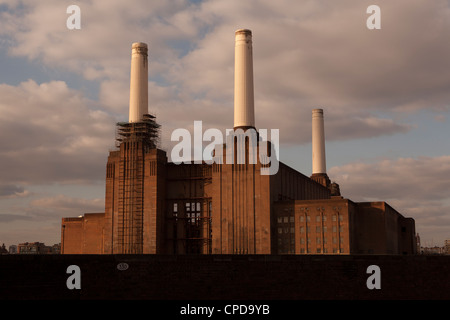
(138, 82)
(318, 143)
(244, 116)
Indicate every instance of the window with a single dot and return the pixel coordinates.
(334, 217)
(175, 209)
(286, 219)
(292, 230)
(318, 250)
(334, 228)
(317, 218)
(302, 240)
(308, 219)
(302, 230)
(301, 218)
(291, 219)
(341, 217)
(324, 218)
(280, 230)
(280, 220)
(341, 229)
(318, 240)
(193, 211)
(324, 229)
(318, 229)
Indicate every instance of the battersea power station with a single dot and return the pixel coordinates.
(154, 206)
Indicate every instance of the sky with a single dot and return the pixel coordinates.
(385, 95)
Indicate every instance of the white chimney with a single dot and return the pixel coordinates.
(318, 143)
(138, 82)
(244, 116)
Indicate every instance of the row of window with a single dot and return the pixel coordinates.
(285, 242)
(320, 240)
(290, 229)
(290, 219)
(323, 229)
(321, 250)
(291, 250)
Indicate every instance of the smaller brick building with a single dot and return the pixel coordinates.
(84, 234)
(341, 226)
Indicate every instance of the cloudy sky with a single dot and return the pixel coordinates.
(385, 94)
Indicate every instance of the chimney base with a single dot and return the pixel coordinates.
(244, 128)
(321, 178)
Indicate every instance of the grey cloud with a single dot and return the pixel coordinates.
(6, 217)
(9, 190)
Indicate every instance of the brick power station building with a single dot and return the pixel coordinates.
(153, 206)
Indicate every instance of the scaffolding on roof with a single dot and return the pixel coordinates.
(147, 130)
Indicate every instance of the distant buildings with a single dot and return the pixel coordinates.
(433, 250)
(12, 249)
(31, 248)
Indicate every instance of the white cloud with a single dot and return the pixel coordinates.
(60, 205)
(50, 133)
(308, 55)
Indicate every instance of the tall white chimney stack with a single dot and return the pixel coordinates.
(138, 82)
(318, 143)
(244, 115)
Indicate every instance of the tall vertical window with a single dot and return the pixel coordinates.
(175, 209)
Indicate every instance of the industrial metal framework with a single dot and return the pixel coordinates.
(190, 216)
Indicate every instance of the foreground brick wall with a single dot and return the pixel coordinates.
(217, 277)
